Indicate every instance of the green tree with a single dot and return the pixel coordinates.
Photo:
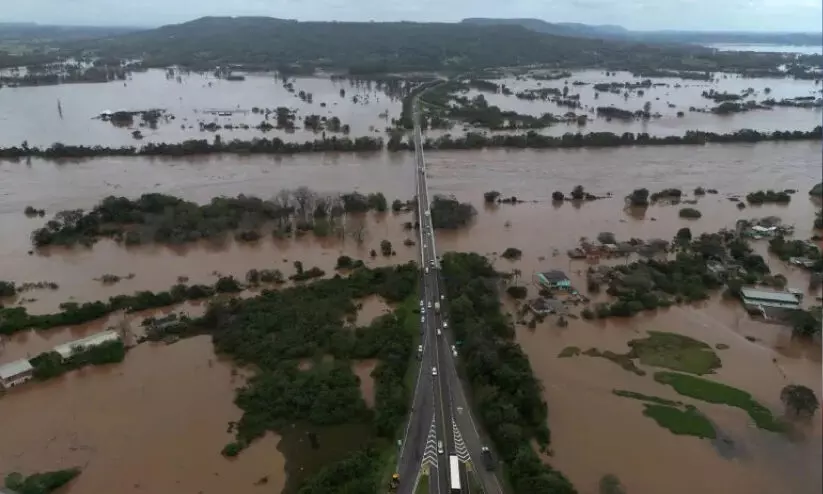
(800, 401)
(610, 484)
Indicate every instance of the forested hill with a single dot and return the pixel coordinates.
(363, 47)
(666, 36)
(38, 33)
(390, 47)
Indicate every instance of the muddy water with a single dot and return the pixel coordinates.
(363, 369)
(660, 97)
(583, 411)
(530, 175)
(132, 430)
(30, 113)
(371, 308)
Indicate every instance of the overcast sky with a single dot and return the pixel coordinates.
(751, 15)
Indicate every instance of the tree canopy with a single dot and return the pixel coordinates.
(800, 401)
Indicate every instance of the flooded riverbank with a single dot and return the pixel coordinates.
(155, 423)
(31, 113)
(529, 175)
(582, 409)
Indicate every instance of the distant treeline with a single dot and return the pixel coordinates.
(398, 142)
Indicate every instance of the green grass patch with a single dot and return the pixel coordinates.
(422, 484)
(569, 351)
(687, 422)
(676, 352)
(668, 350)
(714, 392)
(642, 397)
(623, 360)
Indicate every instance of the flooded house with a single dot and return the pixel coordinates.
(66, 350)
(771, 304)
(543, 306)
(553, 280)
(15, 373)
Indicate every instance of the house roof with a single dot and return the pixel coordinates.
(547, 304)
(67, 349)
(14, 368)
(554, 275)
(768, 295)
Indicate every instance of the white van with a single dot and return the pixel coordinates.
(440, 447)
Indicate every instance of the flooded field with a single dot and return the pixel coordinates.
(155, 423)
(680, 93)
(31, 113)
(582, 409)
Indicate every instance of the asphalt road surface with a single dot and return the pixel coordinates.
(440, 418)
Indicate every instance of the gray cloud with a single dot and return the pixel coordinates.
(754, 15)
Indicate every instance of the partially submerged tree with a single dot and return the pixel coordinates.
(799, 400)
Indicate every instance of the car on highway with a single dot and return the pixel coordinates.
(421, 302)
(434, 371)
(422, 319)
(429, 304)
(439, 332)
(440, 447)
(488, 461)
(445, 325)
(454, 351)
(426, 270)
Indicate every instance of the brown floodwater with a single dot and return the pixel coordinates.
(661, 97)
(31, 113)
(155, 423)
(592, 429)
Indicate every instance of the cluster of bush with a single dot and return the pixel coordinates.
(276, 329)
(170, 220)
(652, 283)
(13, 319)
(507, 395)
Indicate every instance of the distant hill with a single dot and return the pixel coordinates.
(31, 32)
(665, 36)
(361, 46)
(559, 28)
(380, 47)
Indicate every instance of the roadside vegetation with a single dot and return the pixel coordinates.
(504, 390)
(275, 330)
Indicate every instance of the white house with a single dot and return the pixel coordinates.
(15, 373)
(66, 350)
